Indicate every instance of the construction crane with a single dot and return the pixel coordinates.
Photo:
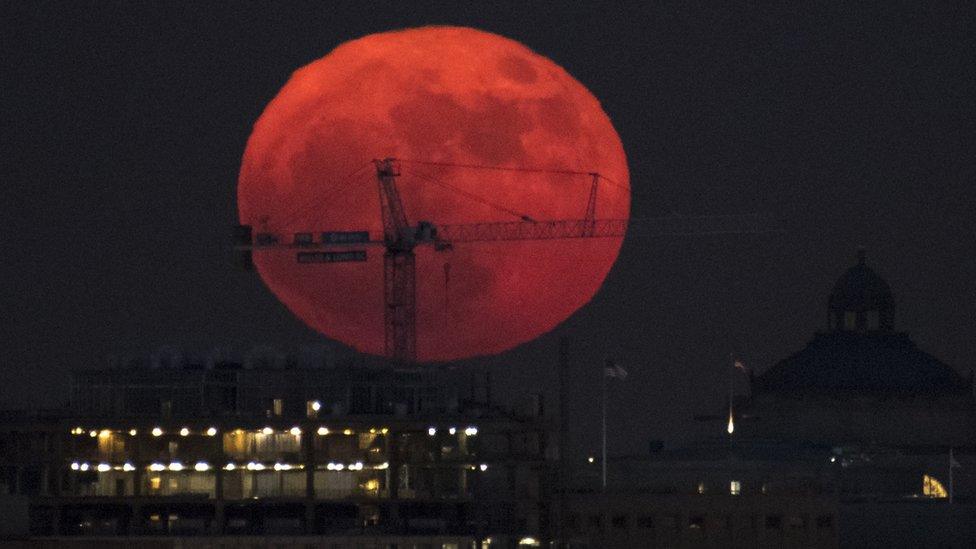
(401, 238)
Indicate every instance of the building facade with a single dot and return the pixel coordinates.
(278, 448)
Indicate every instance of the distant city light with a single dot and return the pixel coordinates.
(347, 432)
(128, 467)
(176, 466)
(83, 467)
(157, 467)
(529, 541)
(78, 431)
(132, 432)
(384, 465)
(590, 459)
(452, 430)
(74, 466)
(184, 432)
(230, 467)
(255, 466)
(211, 431)
(157, 432)
(471, 431)
(339, 466)
(295, 431)
(93, 434)
(358, 466)
(483, 466)
(431, 431)
(384, 430)
(316, 405)
(104, 468)
(323, 431)
(201, 466)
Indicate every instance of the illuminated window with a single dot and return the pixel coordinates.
(735, 487)
(701, 487)
(931, 487)
(279, 406)
(154, 483)
(312, 408)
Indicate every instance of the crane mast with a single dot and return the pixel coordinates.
(399, 268)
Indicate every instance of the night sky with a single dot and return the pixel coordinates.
(845, 126)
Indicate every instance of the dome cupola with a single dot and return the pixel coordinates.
(861, 301)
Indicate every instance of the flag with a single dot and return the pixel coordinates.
(615, 371)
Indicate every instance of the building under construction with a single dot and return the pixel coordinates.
(272, 447)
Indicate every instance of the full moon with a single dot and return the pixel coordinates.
(451, 102)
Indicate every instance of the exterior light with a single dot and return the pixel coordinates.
(211, 431)
(184, 431)
(529, 542)
(372, 430)
(471, 431)
(104, 433)
(384, 430)
(316, 405)
(255, 466)
(339, 466)
(384, 465)
(431, 431)
(93, 434)
(230, 467)
(176, 466)
(358, 466)
(483, 466)
(157, 432)
(201, 466)
(132, 432)
(74, 466)
(104, 468)
(347, 432)
(590, 459)
(267, 430)
(157, 467)
(323, 431)
(128, 467)
(452, 430)
(282, 467)
(330, 466)
(83, 467)
(78, 431)
(295, 431)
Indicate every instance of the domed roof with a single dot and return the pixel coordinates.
(849, 363)
(861, 289)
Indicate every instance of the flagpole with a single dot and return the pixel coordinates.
(603, 425)
(951, 487)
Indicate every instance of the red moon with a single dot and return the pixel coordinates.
(447, 95)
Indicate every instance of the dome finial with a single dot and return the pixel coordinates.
(861, 255)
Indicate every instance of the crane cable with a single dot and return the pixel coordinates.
(473, 197)
(307, 208)
(515, 169)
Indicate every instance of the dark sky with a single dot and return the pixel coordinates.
(123, 129)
